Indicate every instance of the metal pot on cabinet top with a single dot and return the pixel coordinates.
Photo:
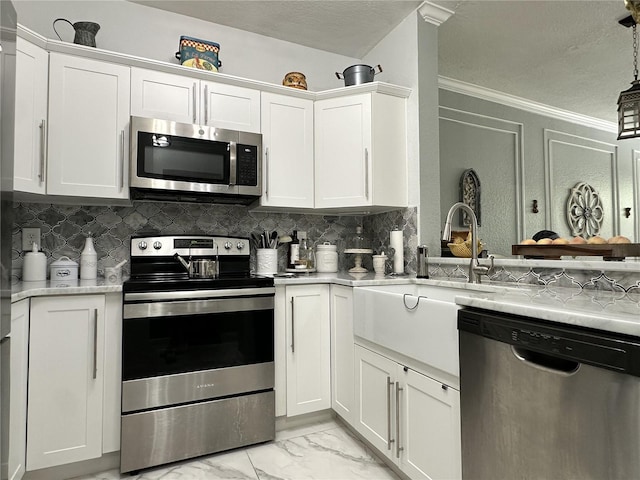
(357, 74)
(85, 32)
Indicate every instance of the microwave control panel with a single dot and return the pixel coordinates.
(247, 165)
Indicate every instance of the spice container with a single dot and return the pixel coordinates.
(326, 258)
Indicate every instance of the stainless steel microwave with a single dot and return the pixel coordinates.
(178, 161)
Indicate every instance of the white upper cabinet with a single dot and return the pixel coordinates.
(287, 144)
(184, 99)
(361, 151)
(32, 71)
(88, 128)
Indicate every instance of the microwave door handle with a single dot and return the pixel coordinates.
(193, 99)
(232, 147)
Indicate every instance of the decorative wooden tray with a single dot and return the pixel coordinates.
(613, 251)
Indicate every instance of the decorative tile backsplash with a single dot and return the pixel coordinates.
(65, 227)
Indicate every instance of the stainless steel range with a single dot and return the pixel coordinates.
(197, 350)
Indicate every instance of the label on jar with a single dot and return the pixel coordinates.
(294, 253)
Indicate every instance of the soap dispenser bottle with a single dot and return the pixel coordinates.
(88, 261)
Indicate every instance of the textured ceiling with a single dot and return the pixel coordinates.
(570, 54)
(350, 28)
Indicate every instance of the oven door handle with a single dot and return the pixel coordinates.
(197, 307)
(197, 294)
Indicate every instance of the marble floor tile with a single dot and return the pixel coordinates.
(330, 454)
(321, 450)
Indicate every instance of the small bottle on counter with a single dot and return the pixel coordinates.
(294, 250)
(88, 261)
(306, 259)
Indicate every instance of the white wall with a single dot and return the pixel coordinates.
(152, 33)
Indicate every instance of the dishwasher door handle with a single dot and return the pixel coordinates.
(546, 362)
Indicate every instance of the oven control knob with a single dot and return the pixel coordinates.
(227, 245)
(157, 245)
(142, 245)
(240, 245)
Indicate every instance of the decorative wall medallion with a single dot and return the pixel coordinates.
(584, 211)
(470, 194)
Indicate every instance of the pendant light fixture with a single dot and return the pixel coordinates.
(629, 100)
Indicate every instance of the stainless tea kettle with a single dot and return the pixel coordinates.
(85, 32)
(200, 267)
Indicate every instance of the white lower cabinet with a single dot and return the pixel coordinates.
(73, 385)
(410, 418)
(307, 340)
(342, 384)
(18, 389)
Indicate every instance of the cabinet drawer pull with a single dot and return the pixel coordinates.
(398, 447)
(95, 343)
(293, 327)
(43, 149)
(121, 164)
(389, 439)
(366, 174)
(266, 172)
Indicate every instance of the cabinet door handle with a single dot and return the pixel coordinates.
(95, 343)
(206, 104)
(121, 164)
(389, 439)
(193, 90)
(366, 173)
(293, 327)
(266, 172)
(398, 447)
(43, 149)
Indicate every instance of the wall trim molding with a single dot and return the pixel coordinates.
(554, 136)
(434, 14)
(517, 130)
(520, 103)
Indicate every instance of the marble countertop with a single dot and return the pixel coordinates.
(23, 290)
(603, 310)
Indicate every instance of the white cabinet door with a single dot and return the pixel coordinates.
(430, 428)
(343, 148)
(230, 107)
(18, 389)
(32, 70)
(342, 357)
(375, 409)
(88, 128)
(164, 96)
(66, 379)
(308, 362)
(287, 142)
(361, 151)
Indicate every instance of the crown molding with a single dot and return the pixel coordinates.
(502, 98)
(434, 14)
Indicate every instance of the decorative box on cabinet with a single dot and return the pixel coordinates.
(88, 128)
(74, 379)
(361, 151)
(32, 70)
(287, 143)
(19, 355)
(308, 349)
(410, 418)
(185, 99)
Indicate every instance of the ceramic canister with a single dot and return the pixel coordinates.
(63, 269)
(326, 258)
(34, 268)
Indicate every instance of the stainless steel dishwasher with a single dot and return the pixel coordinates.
(542, 400)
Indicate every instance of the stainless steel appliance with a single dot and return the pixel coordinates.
(8, 25)
(542, 400)
(185, 162)
(197, 353)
